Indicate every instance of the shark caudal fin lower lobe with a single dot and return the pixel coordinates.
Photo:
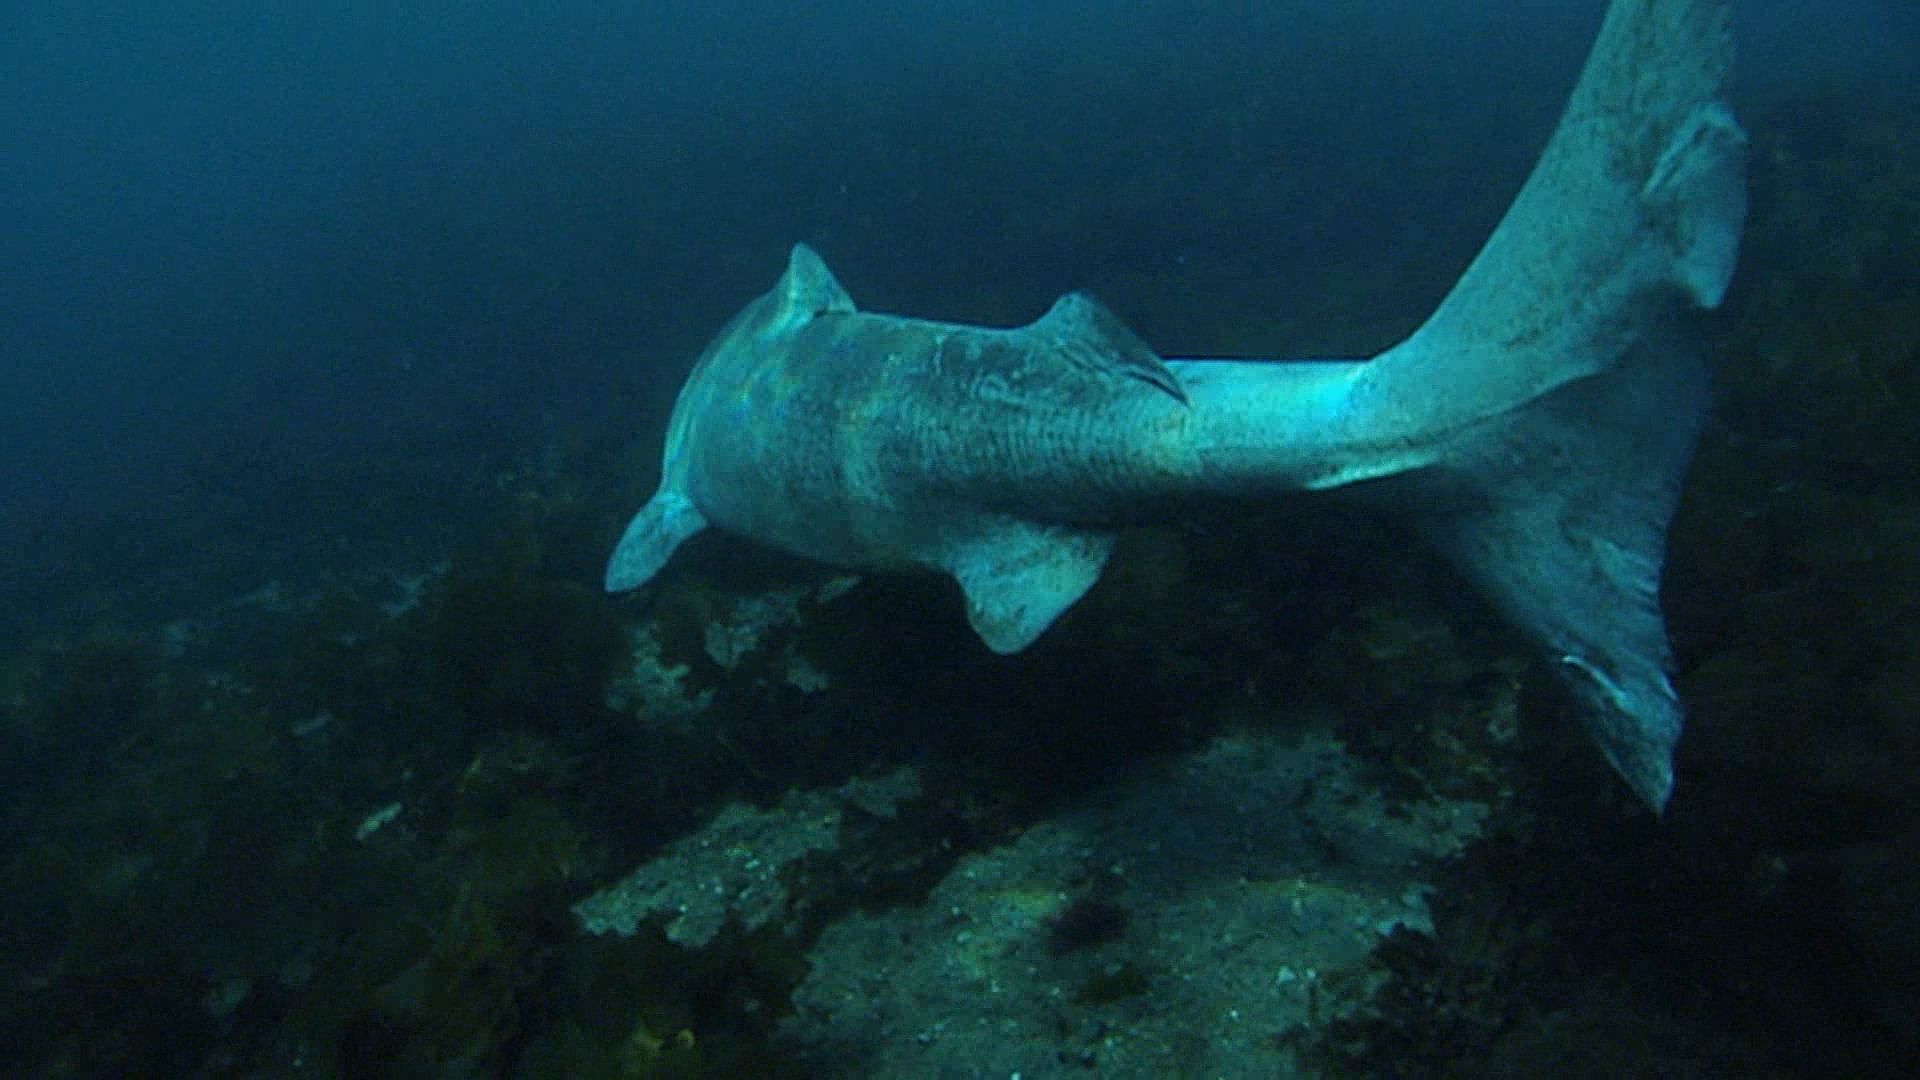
(1558, 514)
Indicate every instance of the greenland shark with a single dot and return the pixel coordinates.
(1535, 428)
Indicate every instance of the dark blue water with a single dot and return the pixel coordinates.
(253, 254)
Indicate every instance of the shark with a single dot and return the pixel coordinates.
(1535, 428)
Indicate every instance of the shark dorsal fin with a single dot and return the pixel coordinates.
(1082, 330)
(808, 290)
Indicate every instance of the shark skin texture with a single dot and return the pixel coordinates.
(1536, 428)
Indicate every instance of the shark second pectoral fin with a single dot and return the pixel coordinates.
(667, 520)
(1019, 577)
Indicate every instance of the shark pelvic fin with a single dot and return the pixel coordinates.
(662, 525)
(1081, 331)
(1019, 577)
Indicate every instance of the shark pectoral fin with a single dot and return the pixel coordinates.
(651, 537)
(1019, 577)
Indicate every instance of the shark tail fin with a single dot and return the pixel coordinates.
(1558, 514)
(1548, 409)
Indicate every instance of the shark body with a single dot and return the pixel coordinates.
(1535, 428)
